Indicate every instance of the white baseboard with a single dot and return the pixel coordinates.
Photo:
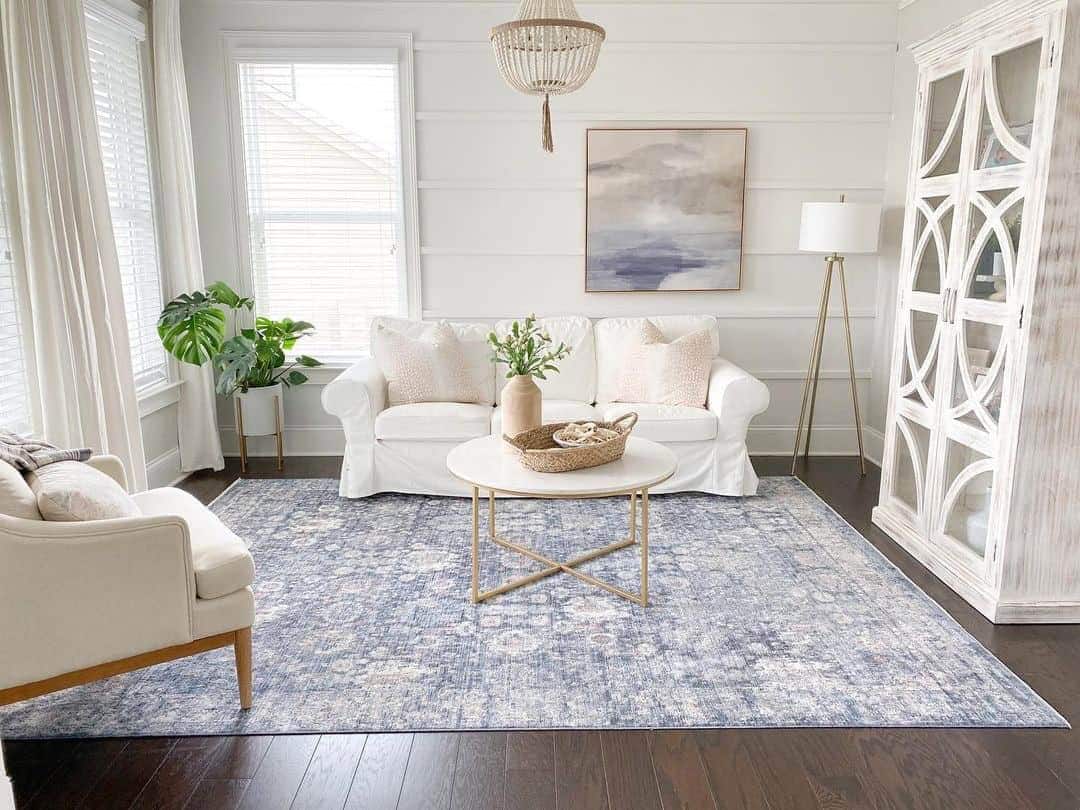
(874, 441)
(164, 470)
(825, 440)
(303, 440)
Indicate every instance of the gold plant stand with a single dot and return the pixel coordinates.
(278, 434)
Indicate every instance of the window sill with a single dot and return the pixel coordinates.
(158, 398)
(321, 375)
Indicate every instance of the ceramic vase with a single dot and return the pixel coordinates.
(521, 405)
(257, 409)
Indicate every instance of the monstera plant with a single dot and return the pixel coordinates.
(253, 364)
(193, 329)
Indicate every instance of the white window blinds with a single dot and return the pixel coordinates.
(321, 147)
(116, 45)
(15, 412)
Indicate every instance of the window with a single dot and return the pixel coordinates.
(321, 149)
(118, 72)
(15, 412)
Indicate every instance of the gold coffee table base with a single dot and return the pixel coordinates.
(570, 566)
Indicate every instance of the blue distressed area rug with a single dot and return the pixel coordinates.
(765, 612)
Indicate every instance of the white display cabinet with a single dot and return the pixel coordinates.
(981, 471)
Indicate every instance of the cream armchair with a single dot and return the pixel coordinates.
(85, 601)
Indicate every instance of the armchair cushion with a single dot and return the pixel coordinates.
(16, 497)
(433, 421)
(221, 561)
(72, 490)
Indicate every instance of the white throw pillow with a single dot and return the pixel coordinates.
(16, 497)
(432, 368)
(662, 373)
(71, 490)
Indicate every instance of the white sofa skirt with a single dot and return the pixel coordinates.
(419, 467)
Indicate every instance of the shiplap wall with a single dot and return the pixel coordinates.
(502, 223)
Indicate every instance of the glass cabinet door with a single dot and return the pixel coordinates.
(928, 246)
(986, 280)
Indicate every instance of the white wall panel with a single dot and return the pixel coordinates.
(672, 81)
(532, 221)
(841, 155)
(489, 287)
(503, 223)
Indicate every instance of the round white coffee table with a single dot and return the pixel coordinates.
(485, 464)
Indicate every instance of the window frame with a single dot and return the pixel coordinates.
(326, 47)
(161, 393)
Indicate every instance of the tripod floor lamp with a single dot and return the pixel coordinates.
(835, 229)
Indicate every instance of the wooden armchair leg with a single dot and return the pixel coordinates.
(242, 647)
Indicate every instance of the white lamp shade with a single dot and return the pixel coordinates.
(840, 227)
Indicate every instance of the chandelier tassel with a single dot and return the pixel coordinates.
(549, 143)
(547, 51)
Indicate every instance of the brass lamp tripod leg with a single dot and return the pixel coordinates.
(851, 371)
(813, 369)
(813, 372)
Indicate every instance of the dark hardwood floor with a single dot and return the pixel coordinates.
(539, 770)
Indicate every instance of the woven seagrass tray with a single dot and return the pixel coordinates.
(538, 451)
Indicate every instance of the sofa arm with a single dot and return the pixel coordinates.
(75, 595)
(111, 466)
(358, 393)
(735, 394)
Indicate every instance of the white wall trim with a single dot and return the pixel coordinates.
(484, 184)
(435, 251)
(763, 46)
(164, 470)
(673, 117)
(512, 4)
(159, 397)
(325, 374)
(745, 313)
(874, 444)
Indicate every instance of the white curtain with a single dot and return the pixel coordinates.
(200, 446)
(80, 356)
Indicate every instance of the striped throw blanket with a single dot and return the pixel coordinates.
(26, 454)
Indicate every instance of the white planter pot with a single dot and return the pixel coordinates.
(257, 410)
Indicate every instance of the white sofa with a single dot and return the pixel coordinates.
(85, 600)
(404, 448)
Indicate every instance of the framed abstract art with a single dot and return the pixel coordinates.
(664, 209)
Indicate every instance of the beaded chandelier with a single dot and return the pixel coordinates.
(547, 51)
